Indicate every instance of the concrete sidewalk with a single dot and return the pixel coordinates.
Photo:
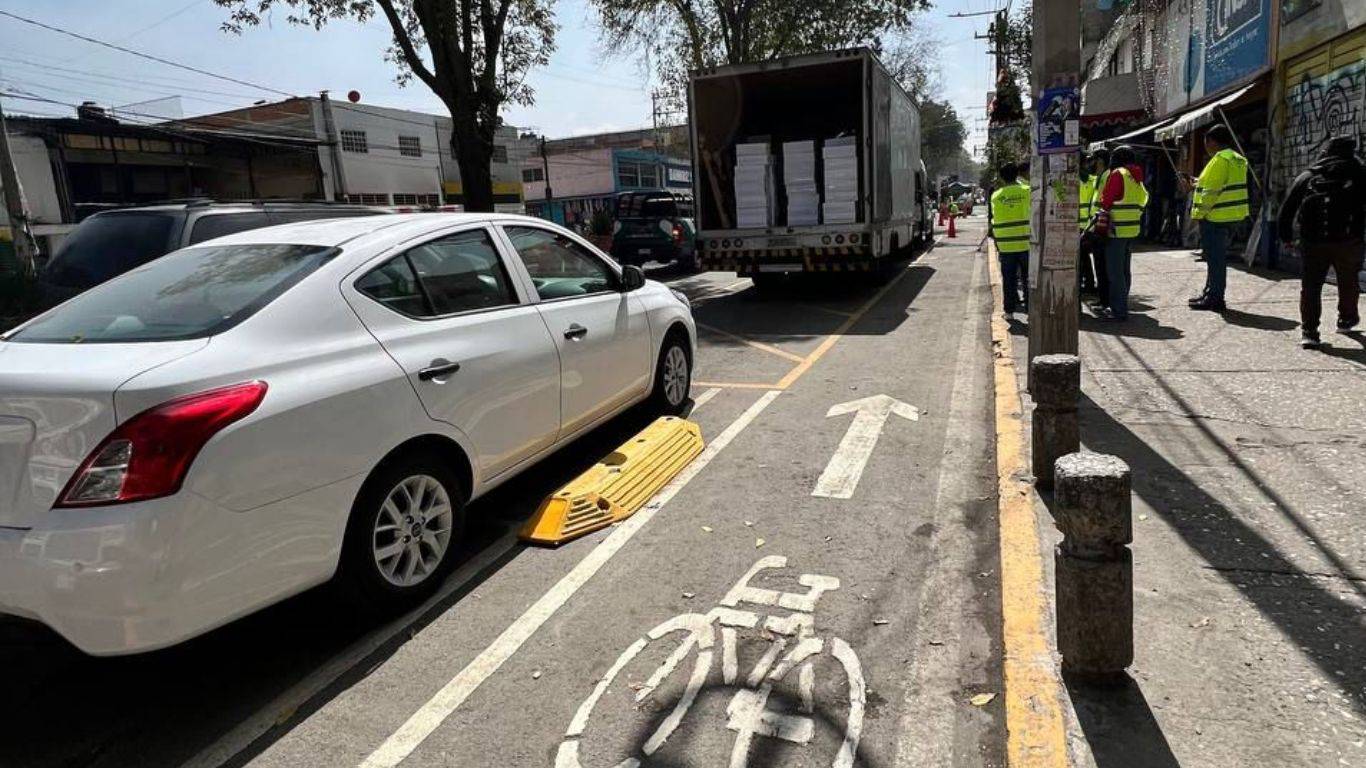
(1249, 467)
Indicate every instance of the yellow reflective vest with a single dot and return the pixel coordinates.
(1010, 218)
(1127, 213)
(1221, 190)
(1086, 194)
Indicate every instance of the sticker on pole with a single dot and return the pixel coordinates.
(1059, 114)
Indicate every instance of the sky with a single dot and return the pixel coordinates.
(585, 89)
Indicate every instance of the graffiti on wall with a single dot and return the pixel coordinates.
(1319, 108)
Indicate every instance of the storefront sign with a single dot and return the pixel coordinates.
(1239, 40)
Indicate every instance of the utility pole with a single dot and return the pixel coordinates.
(545, 170)
(1053, 291)
(14, 203)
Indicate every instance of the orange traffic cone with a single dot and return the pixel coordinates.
(952, 231)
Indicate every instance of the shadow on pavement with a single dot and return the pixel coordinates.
(1119, 725)
(1355, 354)
(1138, 326)
(1325, 626)
(1259, 322)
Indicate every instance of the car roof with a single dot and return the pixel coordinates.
(363, 229)
(240, 207)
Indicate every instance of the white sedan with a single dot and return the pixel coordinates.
(241, 420)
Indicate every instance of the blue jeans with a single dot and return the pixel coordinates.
(1015, 279)
(1117, 254)
(1214, 240)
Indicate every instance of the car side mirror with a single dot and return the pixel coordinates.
(631, 278)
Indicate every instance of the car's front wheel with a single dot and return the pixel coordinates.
(405, 527)
(673, 375)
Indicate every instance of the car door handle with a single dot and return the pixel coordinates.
(439, 369)
(575, 331)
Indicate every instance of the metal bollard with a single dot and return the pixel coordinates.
(1094, 573)
(1055, 384)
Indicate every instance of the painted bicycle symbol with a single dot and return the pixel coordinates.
(794, 648)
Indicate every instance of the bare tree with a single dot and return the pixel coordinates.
(473, 54)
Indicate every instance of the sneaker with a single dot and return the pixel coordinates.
(1209, 305)
(1197, 299)
(1310, 341)
(1346, 326)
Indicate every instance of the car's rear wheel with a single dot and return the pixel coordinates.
(405, 528)
(673, 375)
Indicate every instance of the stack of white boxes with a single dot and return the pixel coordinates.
(799, 178)
(841, 180)
(753, 186)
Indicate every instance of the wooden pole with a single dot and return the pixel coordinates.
(1053, 292)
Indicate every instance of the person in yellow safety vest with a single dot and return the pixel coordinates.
(1094, 242)
(1220, 205)
(1009, 212)
(953, 208)
(1121, 210)
(1086, 190)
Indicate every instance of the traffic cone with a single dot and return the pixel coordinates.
(952, 231)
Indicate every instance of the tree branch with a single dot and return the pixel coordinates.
(405, 44)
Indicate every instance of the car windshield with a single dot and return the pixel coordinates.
(110, 244)
(188, 294)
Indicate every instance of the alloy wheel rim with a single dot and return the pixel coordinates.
(676, 375)
(412, 530)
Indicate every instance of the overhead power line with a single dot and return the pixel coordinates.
(142, 55)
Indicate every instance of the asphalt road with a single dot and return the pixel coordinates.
(819, 588)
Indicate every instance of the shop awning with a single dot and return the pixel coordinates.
(1131, 134)
(1196, 118)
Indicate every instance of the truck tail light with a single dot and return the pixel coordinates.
(148, 456)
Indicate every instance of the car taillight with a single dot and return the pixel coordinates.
(678, 234)
(148, 456)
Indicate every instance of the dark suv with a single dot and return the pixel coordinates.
(655, 225)
(110, 243)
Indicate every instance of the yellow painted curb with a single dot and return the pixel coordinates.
(619, 485)
(1035, 736)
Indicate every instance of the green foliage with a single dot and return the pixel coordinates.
(1014, 40)
(473, 54)
(1004, 145)
(942, 134)
(678, 35)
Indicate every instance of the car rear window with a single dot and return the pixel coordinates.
(646, 207)
(109, 244)
(188, 294)
(221, 224)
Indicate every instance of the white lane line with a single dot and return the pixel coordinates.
(947, 586)
(432, 714)
(283, 706)
(704, 398)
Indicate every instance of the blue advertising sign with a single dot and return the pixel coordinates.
(1059, 113)
(1237, 41)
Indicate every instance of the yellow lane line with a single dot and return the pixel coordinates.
(734, 385)
(1035, 737)
(759, 345)
(829, 341)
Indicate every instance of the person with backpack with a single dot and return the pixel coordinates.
(1328, 201)
(1220, 205)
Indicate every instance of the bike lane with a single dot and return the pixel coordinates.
(823, 590)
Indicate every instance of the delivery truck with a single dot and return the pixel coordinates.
(806, 164)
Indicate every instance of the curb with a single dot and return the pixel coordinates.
(1035, 735)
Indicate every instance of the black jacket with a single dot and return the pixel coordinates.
(1337, 161)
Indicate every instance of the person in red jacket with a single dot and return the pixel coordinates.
(1118, 269)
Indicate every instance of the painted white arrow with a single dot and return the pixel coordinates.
(842, 474)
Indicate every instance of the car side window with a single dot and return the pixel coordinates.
(394, 285)
(559, 267)
(220, 224)
(462, 273)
